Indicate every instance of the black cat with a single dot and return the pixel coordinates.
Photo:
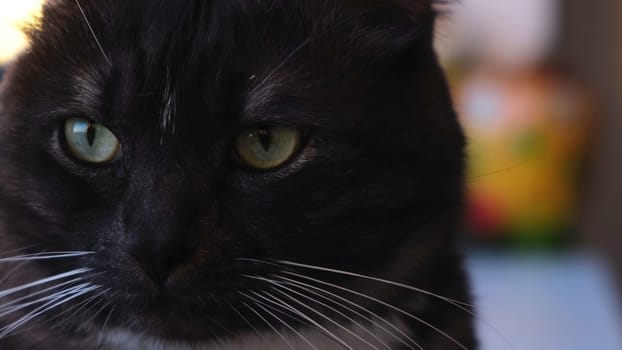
(231, 174)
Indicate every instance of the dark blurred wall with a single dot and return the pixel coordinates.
(592, 47)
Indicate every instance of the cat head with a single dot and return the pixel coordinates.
(189, 146)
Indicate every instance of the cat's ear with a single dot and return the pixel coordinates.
(416, 8)
(394, 26)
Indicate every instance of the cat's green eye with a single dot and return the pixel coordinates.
(269, 147)
(91, 142)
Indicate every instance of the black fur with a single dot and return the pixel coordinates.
(376, 189)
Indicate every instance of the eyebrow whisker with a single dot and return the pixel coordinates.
(88, 23)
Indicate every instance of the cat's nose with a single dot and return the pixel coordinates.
(159, 256)
(160, 215)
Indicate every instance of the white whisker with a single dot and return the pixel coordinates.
(310, 289)
(88, 23)
(392, 307)
(246, 320)
(15, 301)
(287, 325)
(286, 60)
(327, 318)
(396, 284)
(293, 313)
(106, 304)
(10, 291)
(287, 313)
(100, 337)
(10, 272)
(13, 251)
(4, 331)
(269, 325)
(466, 307)
(287, 306)
(79, 307)
(353, 321)
(10, 310)
(44, 256)
(295, 51)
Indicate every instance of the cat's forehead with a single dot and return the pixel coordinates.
(251, 54)
(159, 27)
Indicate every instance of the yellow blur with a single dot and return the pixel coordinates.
(14, 14)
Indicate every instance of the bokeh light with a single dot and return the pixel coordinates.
(14, 14)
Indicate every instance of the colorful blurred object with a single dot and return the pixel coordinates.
(529, 125)
(529, 134)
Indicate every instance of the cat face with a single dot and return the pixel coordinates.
(187, 150)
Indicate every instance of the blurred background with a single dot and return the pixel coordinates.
(538, 87)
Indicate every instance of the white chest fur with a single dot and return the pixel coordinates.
(374, 337)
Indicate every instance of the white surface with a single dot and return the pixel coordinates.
(510, 33)
(544, 302)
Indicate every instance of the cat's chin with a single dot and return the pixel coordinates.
(125, 339)
(122, 339)
(178, 324)
(180, 319)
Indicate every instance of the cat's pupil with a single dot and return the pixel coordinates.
(265, 139)
(90, 133)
